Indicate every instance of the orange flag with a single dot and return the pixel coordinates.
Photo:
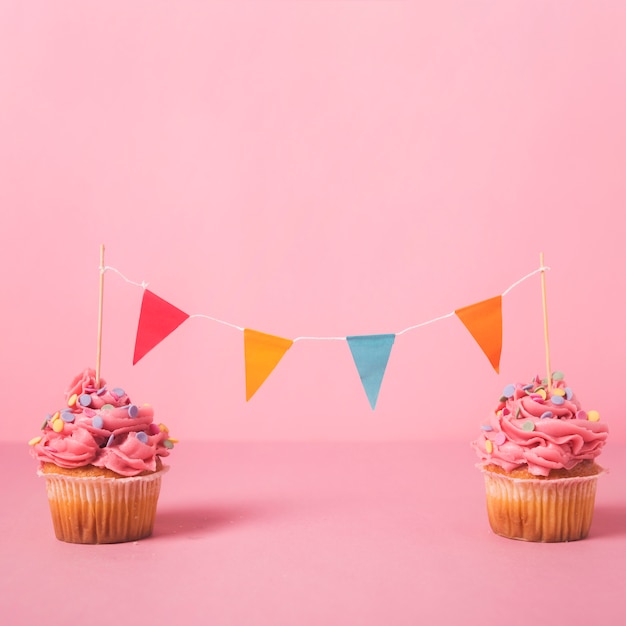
(157, 319)
(262, 353)
(484, 322)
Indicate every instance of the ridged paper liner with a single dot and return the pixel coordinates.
(547, 510)
(103, 510)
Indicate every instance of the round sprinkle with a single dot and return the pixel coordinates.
(163, 428)
(45, 422)
(97, 422)
(488, 445)
(107, 407)
(110, 441)
(118, 391)
(89, 412)
(101, 391)
(528, 387)
(34, 441)
(84, 399)
(581, 415)
(154, 429)
(57, 426)
(133, 411)
(67, 416)
(172, 440)
(558, 392)
(558, 375)
(542, 393)
(142, 437)
(508, 391)
(486, 427)
(72, 400)
(546, 414)
(528, 426)
(499, 439)
(518, 410)
(593, 416)
(557, 400)
(569, 394)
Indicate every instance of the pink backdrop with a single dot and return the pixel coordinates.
(311, 168)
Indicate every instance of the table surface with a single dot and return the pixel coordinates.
(312, 534)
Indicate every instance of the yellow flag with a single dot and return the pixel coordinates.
(262, 353)
(484, 322)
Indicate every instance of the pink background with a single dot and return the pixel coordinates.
(311, 168)
(321, 168)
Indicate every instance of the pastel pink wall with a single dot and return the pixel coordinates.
(311, 168)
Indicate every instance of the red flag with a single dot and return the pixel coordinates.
(262, 354)
(157, 319)
(484, 322)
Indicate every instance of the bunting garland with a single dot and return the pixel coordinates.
(263, 352)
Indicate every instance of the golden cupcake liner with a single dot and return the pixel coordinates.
(101, 509)
(547, 510)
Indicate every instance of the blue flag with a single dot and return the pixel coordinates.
(371, 354)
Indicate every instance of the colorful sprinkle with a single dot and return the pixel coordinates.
(558, 375)
(528, 426)
(541, 392)
(84, 399)
(499, 439)
(67, 416)
(57, 425)
(557, 400)
(110, 441)
(508, 391)
(486, 427)
(163, 428)
(117, 392)
(488, 445)
(518, 410)
(569, 394)
(505, 411)
(89, 412)
(558, 392)
(45, 422)
(133, 411)
(154, 429)
(172, 440)
(546, 414)
(107, 407)
(528, 387)
(581, 415)
(34, 441)
(97, 422)
(72, 400)
(101, 391)
(142, 437)
(593, 416)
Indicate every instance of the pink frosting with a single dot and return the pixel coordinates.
(102, 427)
(548, 433)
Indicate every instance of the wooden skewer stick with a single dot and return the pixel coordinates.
(545, 322)
(100, 310)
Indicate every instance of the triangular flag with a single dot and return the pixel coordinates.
(262, 353)
(157, 319)
(371, 354)
(484, 321)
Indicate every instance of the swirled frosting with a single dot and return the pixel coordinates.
(540, 428)
(100, 426)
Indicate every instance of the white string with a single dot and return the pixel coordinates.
(144, 284)
(214, 319)
(521, 280)
(107, 268)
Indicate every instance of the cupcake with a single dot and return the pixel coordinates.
(100, 456)
(538, 452)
